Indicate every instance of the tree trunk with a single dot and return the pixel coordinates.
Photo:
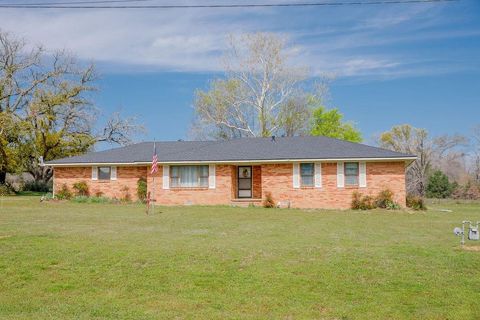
(3, 177)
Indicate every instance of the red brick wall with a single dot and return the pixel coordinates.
(257, 182)
(277, 178)
(194, 196)
(126, 177)
(274, 178)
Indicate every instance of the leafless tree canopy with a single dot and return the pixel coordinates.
(429, 151)
(46, 108)
(260, 95)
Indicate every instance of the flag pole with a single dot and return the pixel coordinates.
(153, 187)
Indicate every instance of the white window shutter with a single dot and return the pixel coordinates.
(94, 173)
(318, 175)
(362, 171)
(340, 175)
(113, 173)
(296, 175)
(211, 176)
(166, 177)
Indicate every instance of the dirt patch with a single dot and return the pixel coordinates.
(471, 248)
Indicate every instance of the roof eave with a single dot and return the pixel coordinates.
(407, 159)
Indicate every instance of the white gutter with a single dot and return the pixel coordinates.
(410, 159)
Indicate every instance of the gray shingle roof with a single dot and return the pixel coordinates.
(283, 148)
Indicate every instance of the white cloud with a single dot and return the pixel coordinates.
(192, 40)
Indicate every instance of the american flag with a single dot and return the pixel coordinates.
(154, 160)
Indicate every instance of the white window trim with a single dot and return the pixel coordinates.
(296, 175)
(113, 173)
(211, 177)
(340, 174)
(362, 174)
(94, 173)
(166, 177)
(318, 174)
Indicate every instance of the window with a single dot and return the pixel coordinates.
(351, 173)
(104, 173)
(188, 176)
(306, 174)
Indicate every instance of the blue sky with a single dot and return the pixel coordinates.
(393, 64)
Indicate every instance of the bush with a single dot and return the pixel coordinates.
(268, 201)
(469, 191)
(361, 202)
(367, 203)
(415, 202)
(438, 186)
(6, 190)
(37, 186)
(385, 200)
(393, 206)
(81, 189)
(64, 193)
(356, 200)
(142, 189)
(126, 197)
(47, 197)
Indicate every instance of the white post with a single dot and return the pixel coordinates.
(153, 180)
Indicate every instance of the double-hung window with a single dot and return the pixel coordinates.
(351, 173)
(104, 173)
(307, 174)
(188, 176)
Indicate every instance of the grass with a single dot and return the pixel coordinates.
(104, 261)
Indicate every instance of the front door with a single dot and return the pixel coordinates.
(244, 175)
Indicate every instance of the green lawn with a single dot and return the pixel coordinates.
(101, 261)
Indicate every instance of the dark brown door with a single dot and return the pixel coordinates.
(244, 187)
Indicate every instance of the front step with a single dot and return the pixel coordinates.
(245, 202)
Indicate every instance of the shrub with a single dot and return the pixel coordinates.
(6, 190)
(37, 186)
(438, 186)
(126, 197)
(385, 200)
(268, 201)
(64, 193)
(367, 203)
(81, 189)
(393, 206)
(142, 189)
(361, 202)
(356, 200)
(469, 191)
(47, 197)
(415, 202)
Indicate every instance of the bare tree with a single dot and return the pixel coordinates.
(46, 111)
(410, 140)
(476, 154)
(119, 130)
(254, 97)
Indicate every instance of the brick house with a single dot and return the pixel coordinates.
(299, 172)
